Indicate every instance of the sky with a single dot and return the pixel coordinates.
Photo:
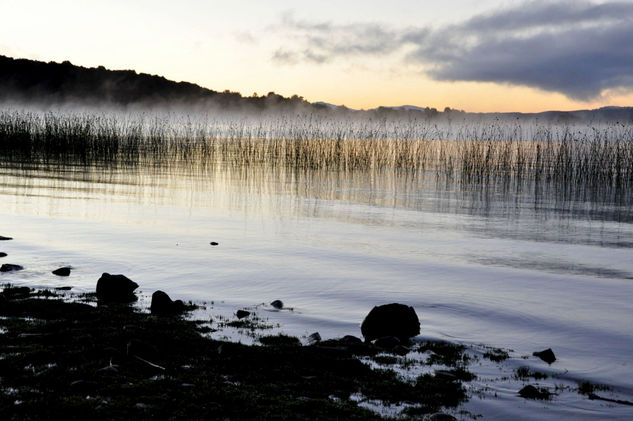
(480, 56)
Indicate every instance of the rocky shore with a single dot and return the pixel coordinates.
(78, 357)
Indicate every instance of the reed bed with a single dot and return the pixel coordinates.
(577, 158)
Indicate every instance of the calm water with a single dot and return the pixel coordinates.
(480, 264)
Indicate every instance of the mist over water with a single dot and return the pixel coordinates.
(512, 234)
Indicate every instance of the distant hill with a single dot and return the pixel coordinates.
(30, 81)
(25, 81)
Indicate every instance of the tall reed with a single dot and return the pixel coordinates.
(577, 158)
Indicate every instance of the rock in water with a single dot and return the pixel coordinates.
(278, 304)
(65, 271)
(7, 267)
(242, 313)
(546, 355)
(162, 305)
(116, 288)
(3, 254)
(214, 243)
(5, 238)
(394, 319)
(531, 392)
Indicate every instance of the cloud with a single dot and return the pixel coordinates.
(578, 48)
(245, 37)
(324, 42)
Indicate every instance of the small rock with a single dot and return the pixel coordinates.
(116, 288)
(531, 392)
(546, 355)
(394, 319)
(278, 304)
(387, 342)
(10, 268)
(66, 288)
(351, 340)
(3, 254)
(440, 416)
(65, 271)
(315, 338)
(5, 238)
(214, 243)
(242, 313)
(162, 305)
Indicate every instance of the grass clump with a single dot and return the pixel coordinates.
(444, 353)
(588, 388)
(525, 373)
(496, 354)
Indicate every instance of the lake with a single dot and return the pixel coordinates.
(522, 268)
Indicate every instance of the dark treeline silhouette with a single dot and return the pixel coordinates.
(36, 82)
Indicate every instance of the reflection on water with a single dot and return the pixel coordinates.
(508, 208)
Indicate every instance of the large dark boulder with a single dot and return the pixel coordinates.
(394, 319)
(116, 288)
(162, 305)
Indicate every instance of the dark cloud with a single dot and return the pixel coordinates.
(578, 48)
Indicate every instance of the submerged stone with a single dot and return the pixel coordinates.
(116, 288)
(65, 271)
(531, 392)
(393, 319)
(546, 355)
(278, 304)
(7, 267)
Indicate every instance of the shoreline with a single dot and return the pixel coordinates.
(112, 361)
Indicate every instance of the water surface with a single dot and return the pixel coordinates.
(520, 268)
